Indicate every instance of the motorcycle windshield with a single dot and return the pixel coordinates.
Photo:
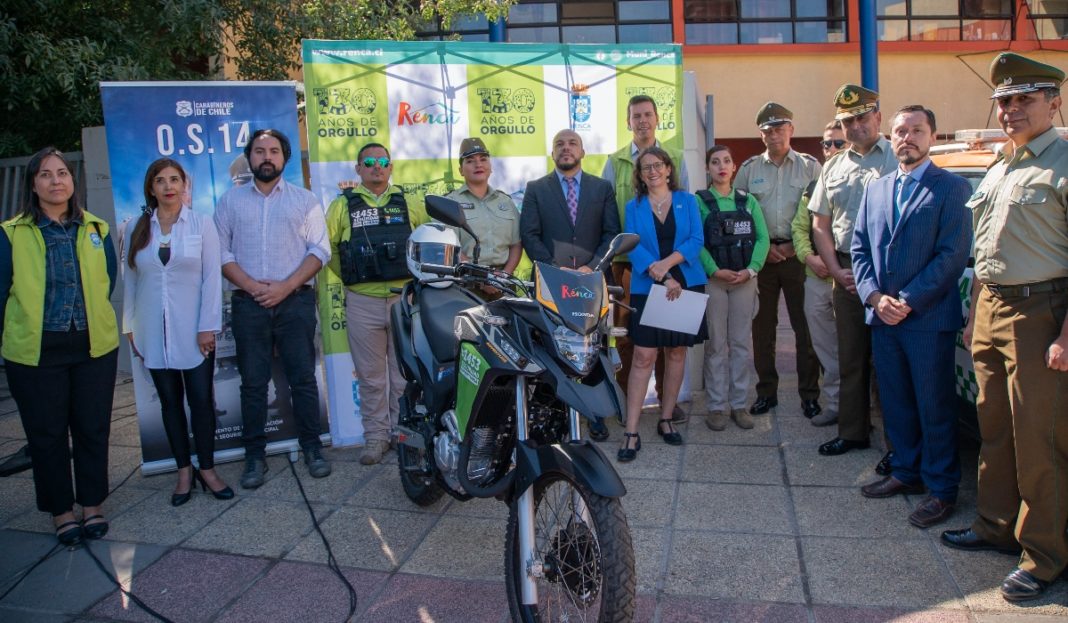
(580, 300)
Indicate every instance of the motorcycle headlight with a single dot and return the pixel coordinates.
(579, 351)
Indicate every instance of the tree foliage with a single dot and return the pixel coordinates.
(54, 53)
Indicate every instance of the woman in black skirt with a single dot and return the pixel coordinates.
(669, 225)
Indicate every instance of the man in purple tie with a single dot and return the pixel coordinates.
(569, 218)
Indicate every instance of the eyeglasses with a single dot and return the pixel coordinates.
(838, 143)
(371, 162)
(649, 168)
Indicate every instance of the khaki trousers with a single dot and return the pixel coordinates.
(730, 313)
(625, 348)
(1023, 420)
(819, 312)
(854, 362)
(371, 347)
(788, 277)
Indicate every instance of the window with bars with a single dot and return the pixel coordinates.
(1050, 18)
(945, 20)
(764, 21)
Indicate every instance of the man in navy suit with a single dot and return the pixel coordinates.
(910, 245)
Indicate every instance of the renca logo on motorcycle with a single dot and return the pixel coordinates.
(581, 292)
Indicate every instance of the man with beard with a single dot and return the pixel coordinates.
(835, 202)
(569, 218)
(368, 227)
(642, 120)
(910, 245)
(273, 238)
(1018, 331)
(776, 178)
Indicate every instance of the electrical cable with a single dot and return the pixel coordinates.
(331, 561)
(114, 580)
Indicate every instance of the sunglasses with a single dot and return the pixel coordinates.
(838, 143)
(371, 162)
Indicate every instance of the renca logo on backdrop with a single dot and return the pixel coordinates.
(435, 114)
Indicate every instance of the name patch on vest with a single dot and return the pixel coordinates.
(364, 218)
(742, 228)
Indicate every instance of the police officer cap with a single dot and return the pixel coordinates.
(772, 114)
(471, 146)
(1013, 74)
(853, 100)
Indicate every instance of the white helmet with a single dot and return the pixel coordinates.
(432, 243)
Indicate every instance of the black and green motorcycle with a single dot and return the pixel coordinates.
(492, 409)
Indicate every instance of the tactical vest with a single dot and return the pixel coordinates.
(729, 236)
(375, 250)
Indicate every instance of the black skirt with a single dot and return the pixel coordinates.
(655, 337)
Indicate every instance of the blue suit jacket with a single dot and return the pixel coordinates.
(689, 240)
(921, 259)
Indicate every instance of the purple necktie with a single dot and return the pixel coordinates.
(572, 199)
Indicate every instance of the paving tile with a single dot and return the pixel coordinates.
(703, 610)
(649, 503)
(877, 572)
(295, 591)
(1011, 617)
(19, 496)
(122, 460)
(154, 520)
(737, 508)
(422, 598)
(799, 432)
(805, 466)
(979, 575)
(843, 511)
(658, 461)
(83, 583)
(381, 488)
(737, 464)
(485, 508)
(332, 490)
(256, 527)
(366, 538)
(461, 548)
(184, 585)
(126, 432)
(18, 615)
(763, 432)
(650, 551)
(117, 503)
(21, 550)
(11, 424)
(853, 614)
(706, 564)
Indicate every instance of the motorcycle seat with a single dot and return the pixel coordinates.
(438, 307)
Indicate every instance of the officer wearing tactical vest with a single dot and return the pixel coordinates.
(368, 228)
(777, 178)
(736, 244)
(642, 121)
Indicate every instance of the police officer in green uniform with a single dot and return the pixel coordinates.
(642, 121)
(368, 228)
(490, 212)
(834, 204)
(1018, 330)
(776, 178)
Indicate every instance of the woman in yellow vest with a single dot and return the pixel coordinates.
(60, 342)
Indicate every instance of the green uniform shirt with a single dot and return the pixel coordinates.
(494, 219)
(339, 229)
(1020, 215)
(841, 187)
(726, 204)
(801, 230)
(778, 188)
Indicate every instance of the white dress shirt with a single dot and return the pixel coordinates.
(165, 306)
(269, 236)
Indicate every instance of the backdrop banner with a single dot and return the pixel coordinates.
(204, 126)
(420, 99)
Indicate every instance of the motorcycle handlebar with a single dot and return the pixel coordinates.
(437, 269)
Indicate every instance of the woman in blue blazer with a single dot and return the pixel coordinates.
(669, 225)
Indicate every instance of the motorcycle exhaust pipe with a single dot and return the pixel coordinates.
(410, 438)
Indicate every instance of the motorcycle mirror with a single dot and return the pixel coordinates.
(622, 243)
(451, 213)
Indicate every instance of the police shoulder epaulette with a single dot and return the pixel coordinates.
(751, 159)
(805, 156)
(834, 156)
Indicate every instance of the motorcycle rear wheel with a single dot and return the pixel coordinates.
(419, 488)
(588, 563)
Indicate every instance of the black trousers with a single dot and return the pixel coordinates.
(197, 386)
(65, 401)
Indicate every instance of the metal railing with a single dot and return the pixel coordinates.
(12, 171)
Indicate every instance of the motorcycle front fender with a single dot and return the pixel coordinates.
(581, 461)
(597, 398)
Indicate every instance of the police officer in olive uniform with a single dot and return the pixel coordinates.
(642, 121)
(1018, 330)
(490, 212)
(776, 178)
(369, 226)
(834, 204)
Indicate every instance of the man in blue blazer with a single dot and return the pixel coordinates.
(910, 245)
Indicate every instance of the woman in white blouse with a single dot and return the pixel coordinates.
(173, 308)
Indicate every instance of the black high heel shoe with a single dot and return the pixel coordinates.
(223, 494)
(177, 499)
(627, 453)
(672, 437)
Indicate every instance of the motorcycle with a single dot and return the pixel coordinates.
(492, 408)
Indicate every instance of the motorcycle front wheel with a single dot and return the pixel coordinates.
(419, 488)
(582, 543)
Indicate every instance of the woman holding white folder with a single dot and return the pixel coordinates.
(669, 224)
